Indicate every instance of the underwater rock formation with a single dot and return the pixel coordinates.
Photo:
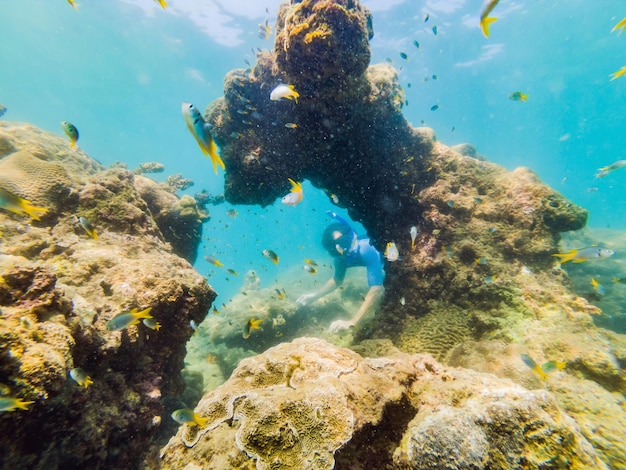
(308, 404)
(346, 133)
(179, 219)
(58, 289)
(482, 268)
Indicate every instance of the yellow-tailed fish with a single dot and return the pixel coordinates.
(295, 196)
(80, 377)
(232, 271)
(280, 294)
(553, 365)
(232, 213)
(87, 227)
(413, 233)
(309, 269)
(186, 416)
(213, 260)
(620, 25)
(71, 131)
(152, 324)
(125, 319)
(605, 170)
(530, 362)
(618, 74)
(163, 3)
(251, 325)
(12, 404)
(518, 96)
(310, 261)
(284, 91)
(73, 4)
(599, 288)
(391, 252)
(485, 20)
(200, 130)
(545, 369)
(270, 255)
(17, 205)
(584, 254)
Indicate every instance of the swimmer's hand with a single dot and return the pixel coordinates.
(340, 326)
(305, 299)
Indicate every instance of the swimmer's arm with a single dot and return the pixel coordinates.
(330, 286)
(367, 307)
(307, 299)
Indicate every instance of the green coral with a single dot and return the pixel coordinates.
(435, 333)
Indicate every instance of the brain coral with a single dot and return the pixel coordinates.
(435, 333)
(42, 183)
(311, 405)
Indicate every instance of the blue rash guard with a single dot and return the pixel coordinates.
(364, 255)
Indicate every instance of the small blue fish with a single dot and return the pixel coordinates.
(12, 404)
(546, 368)
(599, 288)
(17, 205)
(584, 254)
(80, 377)
(152, 324)
(123, 320)
(435, 30)
(434, 107)
(186, 416)
(3, 110)
(71, 131)
(86, 225)
(200, 130)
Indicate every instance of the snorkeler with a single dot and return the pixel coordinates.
(348, 250)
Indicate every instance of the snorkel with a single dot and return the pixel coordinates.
(351, 234)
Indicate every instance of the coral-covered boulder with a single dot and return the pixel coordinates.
(308, 404)
(59, 287)
(179, 219)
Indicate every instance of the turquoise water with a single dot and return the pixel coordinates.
(119, 70)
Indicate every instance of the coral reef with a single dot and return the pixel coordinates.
(178, 182)
(351, 137)
(149, 167)
(58, 289)
(179, 219)
(42, 183)
(308, 404)
(482, 268)
(221, 338)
